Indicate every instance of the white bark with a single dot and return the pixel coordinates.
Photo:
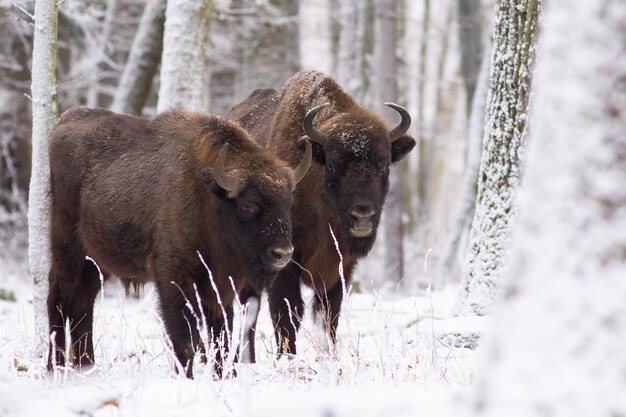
(466, 203)
(184, 68)
(350, 59)
(387, 90)
(315, 35)
(45, 110)
(559, 339)
(505, 135)
(143, 60)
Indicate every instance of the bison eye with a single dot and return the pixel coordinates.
(248, 210)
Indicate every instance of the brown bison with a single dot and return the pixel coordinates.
(151, 200)
(344, 191)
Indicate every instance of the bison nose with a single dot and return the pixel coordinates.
(362, 219)
(280, 255)
(362, 211)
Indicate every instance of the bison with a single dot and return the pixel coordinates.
(153, 200)
(340, 198)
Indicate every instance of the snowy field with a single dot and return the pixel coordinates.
(396, 356)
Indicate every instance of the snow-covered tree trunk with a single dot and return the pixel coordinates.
(558, 344)
(315, 35)
(387, 90)
(45, 111)
(143, 60)
(184, 67)
(350, 54)
(464, 209)
(505, 132)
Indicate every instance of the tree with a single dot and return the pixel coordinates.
(387, 90)
(558, 341)
(315, 35)
(45, 109)
(143, 60)
(184, 72)
(470, 36)
(466, 203)
(505, 135)
(351, 49)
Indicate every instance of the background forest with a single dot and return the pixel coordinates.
(253, 44)
(496, 285)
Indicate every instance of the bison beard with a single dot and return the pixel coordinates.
(152, 200)
(344, 190)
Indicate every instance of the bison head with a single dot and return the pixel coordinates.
(254, 207)
(357, 151)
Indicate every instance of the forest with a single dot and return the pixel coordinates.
(493, 285)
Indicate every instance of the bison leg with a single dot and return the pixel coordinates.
(73, 287)
(221, 337)
(327, 306)
(286, 308)
(246, 349)
(180, 323)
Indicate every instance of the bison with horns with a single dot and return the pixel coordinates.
(153, 200)
(340, 198)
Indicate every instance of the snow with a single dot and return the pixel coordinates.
(391, 359)
(558, 341)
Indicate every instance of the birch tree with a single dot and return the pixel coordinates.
(315, 35)
(145, 54)
(387, 90)
(184, 72)
(559, 338)
(505, 134)
(45, 110)
(464, 208)
(350, 54)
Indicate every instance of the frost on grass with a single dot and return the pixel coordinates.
(391, 359)
(559, 337)
(503, 143)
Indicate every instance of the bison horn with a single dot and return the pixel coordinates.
(401, 129)
(308, 125)
(219, 175)
(300, 171)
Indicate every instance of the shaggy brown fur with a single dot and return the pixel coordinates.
(139, 197)
(351, 174)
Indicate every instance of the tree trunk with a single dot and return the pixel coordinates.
(423, 144)
(104, 56)
(315, 35)
(184, 72)
(143, 61)
(470, 37)
(45, 109)
(385, 38)
(558, 341)
(350, 59)
(465, 206)
(505, 134)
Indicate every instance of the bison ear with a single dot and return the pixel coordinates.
(207, 178)
(400, 147)
(318, 150)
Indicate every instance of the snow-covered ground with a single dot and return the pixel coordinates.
(396, 356)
